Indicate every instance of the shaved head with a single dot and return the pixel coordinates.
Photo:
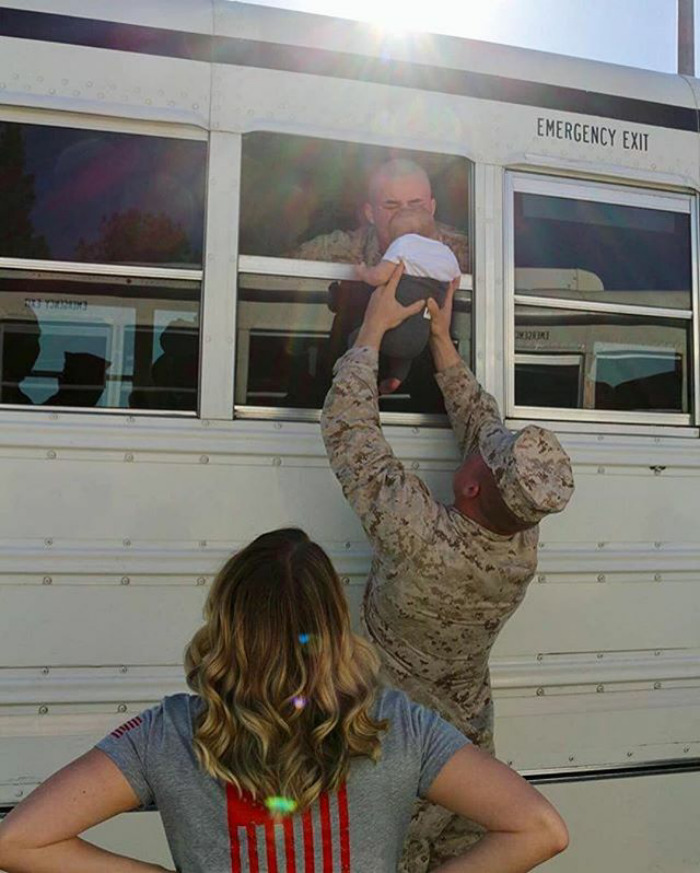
(396, 185)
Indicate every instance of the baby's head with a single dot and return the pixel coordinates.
(418, 221)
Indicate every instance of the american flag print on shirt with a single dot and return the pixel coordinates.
(126, 727)
(316, 841)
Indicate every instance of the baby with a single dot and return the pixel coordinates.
(429, 268)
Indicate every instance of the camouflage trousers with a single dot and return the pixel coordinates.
(434, 836)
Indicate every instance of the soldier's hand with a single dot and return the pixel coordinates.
(441, 317)
(384, 311)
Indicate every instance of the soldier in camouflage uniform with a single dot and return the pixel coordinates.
(444, 579)
(396, 184)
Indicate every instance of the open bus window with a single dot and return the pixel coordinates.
(603, 295)
(289, 337)
(303, 200)
(586, 360)
(101, 197)
(98, 342)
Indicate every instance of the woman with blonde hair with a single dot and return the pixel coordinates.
(288, 757)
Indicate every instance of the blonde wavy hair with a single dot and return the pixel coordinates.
(287, 686)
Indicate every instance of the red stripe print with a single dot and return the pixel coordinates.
(344, 823)
(308, 831)
(126, 727)
(289, 845)
(326, 839)
(252, 835)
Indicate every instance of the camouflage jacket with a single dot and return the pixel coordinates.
(440, 586)
(362, 246)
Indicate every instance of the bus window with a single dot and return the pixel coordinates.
(603, 301)
(100, 268)
(303, 215)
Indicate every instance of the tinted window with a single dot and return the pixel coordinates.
(589, 360)
(602, 252)
(87, 195)
(98, 342)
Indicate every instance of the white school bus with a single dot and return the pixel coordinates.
(164, 357)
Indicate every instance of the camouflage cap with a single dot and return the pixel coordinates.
(531, 469)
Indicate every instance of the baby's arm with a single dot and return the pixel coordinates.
(378, 275)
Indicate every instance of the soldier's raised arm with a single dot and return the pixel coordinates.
(395, 507)
(468, 406)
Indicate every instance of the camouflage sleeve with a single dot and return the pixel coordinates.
(395, 507)
(337, 246)
(468, 406)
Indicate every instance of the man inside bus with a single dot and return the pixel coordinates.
(393, 185)
(444, 578)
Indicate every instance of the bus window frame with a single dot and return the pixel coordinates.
(616, 193)
(128, 127)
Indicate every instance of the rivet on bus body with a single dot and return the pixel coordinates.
(201, 580)
(126, 542)
(44, 671)
(686, 749)
(657, 685)
(572, 757)
(204, 459)
(657, 577)
(125, 580)
(601, 545)
(47, 580)
(415, 430)
(19, 793)
(600, 689)
(601, 577)
(128, 456)
(599, 655)
(278, 425)
(415, 465)
(630, 754)
(539, 657)
(657, 652)
(348, 545)
(277, 462)
(48, 541)
(122, 707)
(541, 577)
(657, 545)
(51, 455)
(346, 580)
(601, 470)
(43, 710)
(123, 669)
(202, 544)
(540, 692)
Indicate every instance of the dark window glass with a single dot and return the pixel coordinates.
(584, 250)
(85, 341)
(589, 360)
(290, 332)
(295, 189)
(88, 195)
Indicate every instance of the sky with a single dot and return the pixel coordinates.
(636, 33)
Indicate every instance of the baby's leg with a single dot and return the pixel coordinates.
(396, 371)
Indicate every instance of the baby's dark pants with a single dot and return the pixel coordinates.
(404, 343)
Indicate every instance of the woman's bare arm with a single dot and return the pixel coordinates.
(41, 834)
(523, 828)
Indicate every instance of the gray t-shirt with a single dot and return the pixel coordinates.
(210, 829)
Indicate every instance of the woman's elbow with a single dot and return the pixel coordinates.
(552, 833)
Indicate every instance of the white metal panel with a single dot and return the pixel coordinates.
(93, 81)
(219, 293)
(640, 825)
(598, 729)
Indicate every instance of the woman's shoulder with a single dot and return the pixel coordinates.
(177, 712)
